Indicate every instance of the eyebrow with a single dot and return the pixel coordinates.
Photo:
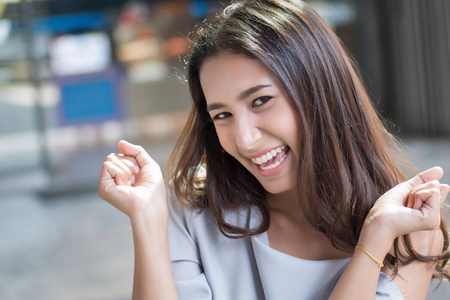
(241, 96)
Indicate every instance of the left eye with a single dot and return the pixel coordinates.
(260, 101)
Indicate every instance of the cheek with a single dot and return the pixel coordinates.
(295, 135)
(288, 126)
(226, 140)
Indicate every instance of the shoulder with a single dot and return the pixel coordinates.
(201, 221)
(185, 216)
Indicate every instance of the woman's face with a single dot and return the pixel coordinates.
(254, 118)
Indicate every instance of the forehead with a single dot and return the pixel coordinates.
(227, 75)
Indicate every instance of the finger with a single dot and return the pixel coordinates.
(420, 197)
(429, 197)
(137, 152)
(117, 173)
(431, 208)
(129, 162)
(105, 175)
(433, 184)
(121, 161)
(106, 181)
(126, 165)
(445, 190)
(132, 163)
(133, 168)
(434, 173)
(412, 199)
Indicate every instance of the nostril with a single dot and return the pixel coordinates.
(247, 138)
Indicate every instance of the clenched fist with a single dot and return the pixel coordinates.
(132, 182)
(413, 205)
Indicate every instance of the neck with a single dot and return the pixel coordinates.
(287, 204)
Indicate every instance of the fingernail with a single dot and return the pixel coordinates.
(132, 179)
(136, 169)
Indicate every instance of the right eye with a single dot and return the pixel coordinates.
(221, 116)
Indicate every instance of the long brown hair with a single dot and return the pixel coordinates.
(347, 158)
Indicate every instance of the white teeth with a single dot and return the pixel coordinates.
(268, 156)
(274, 165)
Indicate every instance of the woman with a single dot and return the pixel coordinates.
(301, 198)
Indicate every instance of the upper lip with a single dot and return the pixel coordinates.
(259, 154)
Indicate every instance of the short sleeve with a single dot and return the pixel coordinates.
(186, 264)
(387, 289)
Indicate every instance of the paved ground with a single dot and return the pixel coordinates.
(75, 246)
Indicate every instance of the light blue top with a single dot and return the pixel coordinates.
(208, 265)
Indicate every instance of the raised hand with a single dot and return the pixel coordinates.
(132, 182)
(413, 205)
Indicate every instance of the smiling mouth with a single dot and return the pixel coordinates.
(271, 159)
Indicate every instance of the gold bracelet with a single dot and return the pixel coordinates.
(379, 263)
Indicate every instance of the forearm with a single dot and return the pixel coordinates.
(409, 207)
(360, 278)
(153, 276)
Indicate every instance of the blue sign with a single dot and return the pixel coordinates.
(91, 98)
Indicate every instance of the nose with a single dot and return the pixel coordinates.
(247, 133)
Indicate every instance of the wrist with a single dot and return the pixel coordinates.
(375, 240)
(150, 220)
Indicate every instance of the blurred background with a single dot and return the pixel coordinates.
(76, 76)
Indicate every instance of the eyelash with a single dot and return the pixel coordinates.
(263, 99)
(218, 116)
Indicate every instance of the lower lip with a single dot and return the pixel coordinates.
(275, 170)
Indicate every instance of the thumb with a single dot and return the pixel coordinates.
(434, 173)
(135, 151)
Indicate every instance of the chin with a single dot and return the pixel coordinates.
(277, 189)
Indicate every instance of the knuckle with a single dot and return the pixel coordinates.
(128, 163)
(420, 194)
(436, 183)
(435, 192)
